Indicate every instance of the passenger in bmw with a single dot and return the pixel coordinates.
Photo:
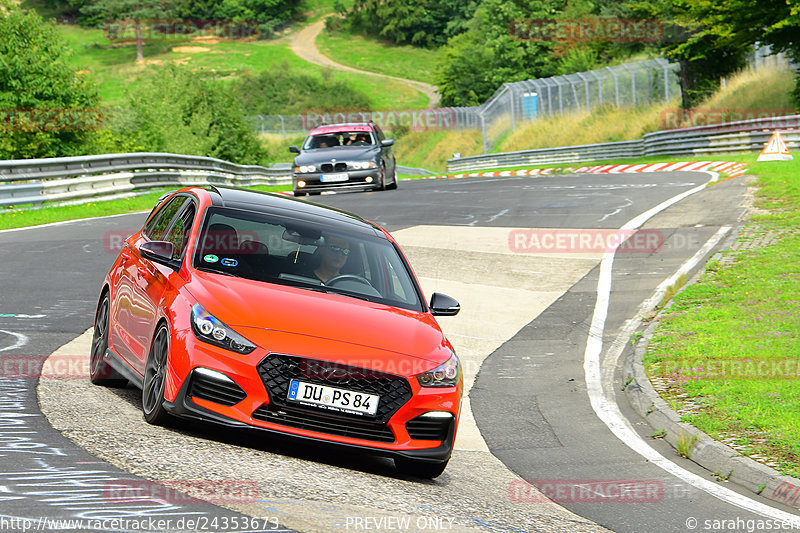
(333, 255)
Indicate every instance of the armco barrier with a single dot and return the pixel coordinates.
(733, 137)
(35, 181)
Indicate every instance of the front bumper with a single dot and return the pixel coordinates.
(244, 402)
(356, 180)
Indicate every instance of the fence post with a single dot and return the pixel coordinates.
(616, 84)
(483, 132)
(586, 86)
(512, 101)
(633, 81)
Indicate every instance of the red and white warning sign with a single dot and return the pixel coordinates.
(775, 150)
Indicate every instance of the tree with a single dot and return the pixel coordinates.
(126, 10)
(427, 23)
(473, 65)
(46, 108)
(711, 38)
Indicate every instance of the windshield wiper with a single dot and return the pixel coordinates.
(217, 271)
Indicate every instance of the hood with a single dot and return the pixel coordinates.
(340, 153)
(291, 317)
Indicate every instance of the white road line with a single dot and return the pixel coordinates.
(613, 353)
(21, 340)
(608, 411)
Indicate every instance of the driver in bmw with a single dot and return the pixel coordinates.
(333, 256)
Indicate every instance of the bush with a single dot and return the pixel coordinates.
(46, 108)
(176, 110)
(282, 90)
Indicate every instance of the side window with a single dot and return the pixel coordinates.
(379, 131)
(158, 225)
(178, 234)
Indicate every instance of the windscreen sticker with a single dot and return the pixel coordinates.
(211, 258)
(228, 262)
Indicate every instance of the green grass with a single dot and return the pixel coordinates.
(365, 53)
(113, 65)
(743, 309)
(50, 213)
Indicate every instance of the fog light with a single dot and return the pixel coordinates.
(369, 179)
(301, 184)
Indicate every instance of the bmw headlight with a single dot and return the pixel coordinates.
(209, 329)
(305, 169)
(359, 165)
(444, 375)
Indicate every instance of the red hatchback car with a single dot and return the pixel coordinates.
(254, 310)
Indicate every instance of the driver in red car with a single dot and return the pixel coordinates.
(333, 256)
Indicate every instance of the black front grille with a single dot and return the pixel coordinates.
(215, 390)
(324, 424)
(330, 167)
(278, 370)
(426, 428)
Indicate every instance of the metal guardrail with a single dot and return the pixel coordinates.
(733, 137)
(33, 181)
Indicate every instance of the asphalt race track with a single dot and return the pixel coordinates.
(531, 413)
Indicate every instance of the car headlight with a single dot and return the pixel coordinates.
(358, 165)
(305, 169)
(444, 375)
(209, 329)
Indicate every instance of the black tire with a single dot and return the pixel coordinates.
(420, 469)
(155, 373)
(100, 372)
(392, 186)
(298, 193)
(382, 185)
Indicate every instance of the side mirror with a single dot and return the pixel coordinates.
(443, 305)
(294, 149)
(387, 142)
(159, 252)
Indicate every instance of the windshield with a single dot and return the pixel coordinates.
(287, 251)
(339, 138)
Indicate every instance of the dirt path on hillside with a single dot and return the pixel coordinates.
(303, 45)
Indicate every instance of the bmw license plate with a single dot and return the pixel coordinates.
(332, 398)
(339, 176)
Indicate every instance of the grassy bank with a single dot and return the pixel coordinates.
(742, 311)
(113, 65)
(357, 51)
(50, 213)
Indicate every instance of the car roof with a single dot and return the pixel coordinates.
(335, 128)
(276, 204)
